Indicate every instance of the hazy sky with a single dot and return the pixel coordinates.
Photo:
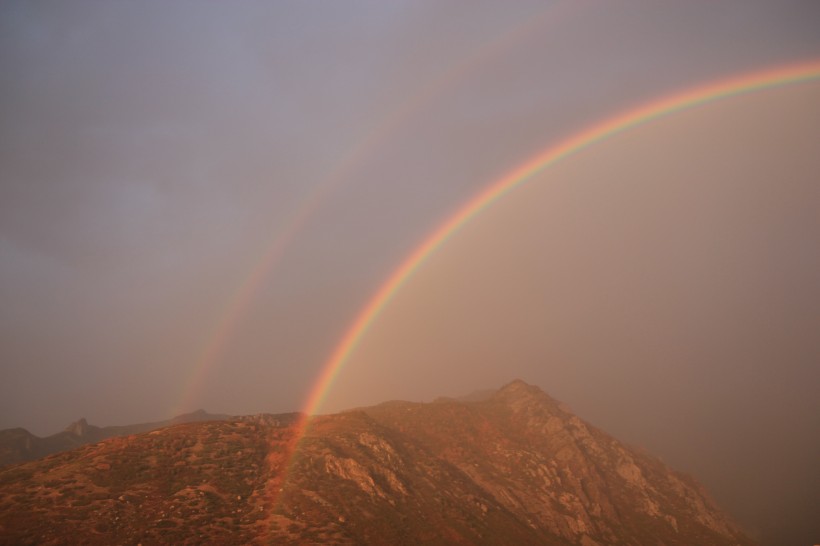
(162, 161)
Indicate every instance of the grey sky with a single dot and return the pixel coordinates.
(150, 152)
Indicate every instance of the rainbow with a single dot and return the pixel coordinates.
(239, 303)
(746, 83)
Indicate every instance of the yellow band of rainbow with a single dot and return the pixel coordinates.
(790, 74)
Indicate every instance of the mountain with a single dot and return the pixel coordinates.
(19, 445)
(514, 467)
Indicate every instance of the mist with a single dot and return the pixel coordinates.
(197, 199)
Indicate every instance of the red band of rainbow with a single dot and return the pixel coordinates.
(790, 74)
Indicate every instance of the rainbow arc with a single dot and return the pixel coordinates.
(665, 106)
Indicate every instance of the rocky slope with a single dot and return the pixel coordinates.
(513, 468)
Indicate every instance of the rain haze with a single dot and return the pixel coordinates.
(197, 199)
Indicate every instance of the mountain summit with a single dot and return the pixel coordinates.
(79, 428)
(514, 467)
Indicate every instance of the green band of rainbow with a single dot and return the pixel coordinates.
(242, 299)
(790, 74)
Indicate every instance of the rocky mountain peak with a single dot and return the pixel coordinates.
(520, 388)
(520, 396)
(78, 428)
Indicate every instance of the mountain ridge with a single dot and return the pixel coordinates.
(514, 468)
(19, 445)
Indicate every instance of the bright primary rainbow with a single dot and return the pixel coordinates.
(793, 73)
(238, 304)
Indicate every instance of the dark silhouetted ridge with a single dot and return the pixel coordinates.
(19, 445)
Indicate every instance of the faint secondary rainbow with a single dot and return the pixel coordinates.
(241, 300)
(745, 83)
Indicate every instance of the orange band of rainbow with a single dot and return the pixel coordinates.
(790, 74)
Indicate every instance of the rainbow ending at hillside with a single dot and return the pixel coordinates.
(737, 85)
